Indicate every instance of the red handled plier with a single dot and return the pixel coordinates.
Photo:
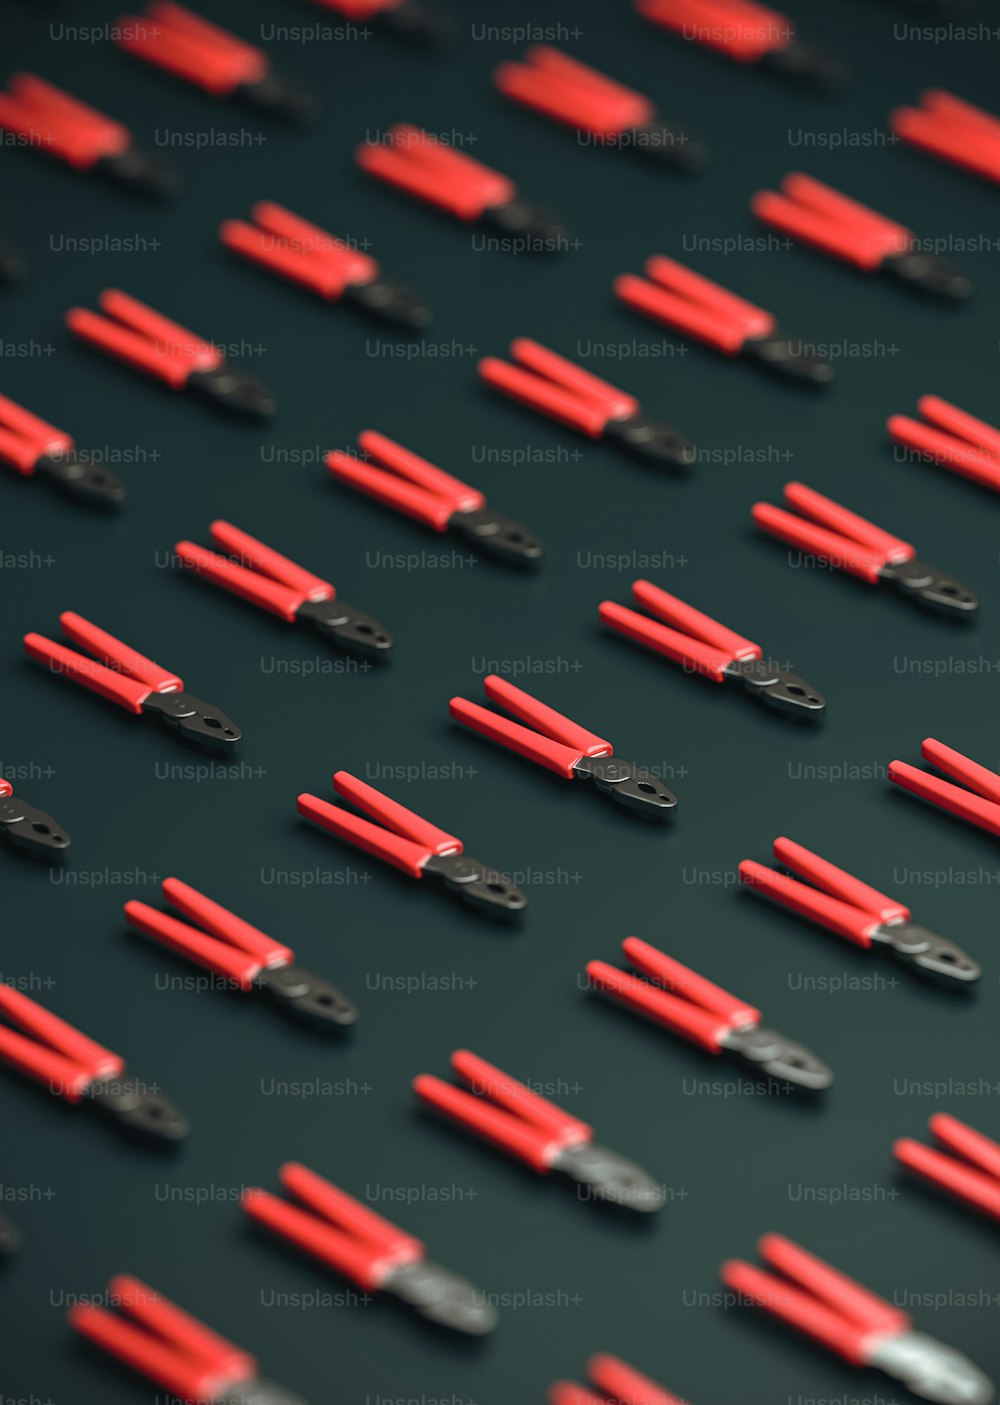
(749, 33)
(952, 130)
(85, 139)
(691, 1006)
(558, 743)
(855, 1323)
(951, 438)
(29, 828)
(210, 58)
(970, 1173)
(176, 1351)
(303, 253)
(406, 19)
(615, 1383)
(976, 799)
(384, 470)
(843, 904)
(272, 582)
(704, 646)
(369, 1250)
(840, 538)
(559, 388)
(563, 88)
(815, 213)
(31, 446)
(234, 950)
(73, 1067)
(132, 681)
(418, 163)
(150, 342)
(692, 304)
(523, 1124)
(411, 843)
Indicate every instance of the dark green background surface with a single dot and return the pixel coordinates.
(738, 1162)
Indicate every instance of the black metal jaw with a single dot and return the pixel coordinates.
(929, 274)
(610, 1177)
(279, 96)
(258, 1392)
(442, 1297)
(142, 174)
(812, 65)
(483, 887)
(346, 626)
(413, 20)
(138, 1109)
(670, 144)
(500, 536)
(651, 442)
(632, 786)
(389, 303)
(780, 1058)
(927, 952)
(13, 269)
(928, 586)
(32, 830)
(776, 686)
(86, 482)
(10, 1237)
(517, 219)
(786, 356)
(932, 1370)
(307, 997)
(195, 720)
(237, 395)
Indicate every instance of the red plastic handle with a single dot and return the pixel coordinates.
(173, 1349)
(216, 956)
(558, 86)
(676, 1014)
(537, 393)
(414, 487)
(561, 371)
(834, 880)
(395, 816)
(798, 1309)
(975, 808)
(416, 162)
(685, 300)
(128, 346)
(677, 312)
(190, 48)
(225, 925)
(401, 853)
(248, 585)
(255, 556)
(545, 719)
(828, 547)
(333, 1204)
(360, 1262)
(620, 1381)
(56, 1053)
(420, 471)
(681, 980)
(60, 124)
(684, 617)
(840, 917)
(742, 31)
(974, 1180)
(843, 1294)
(126, 692)
(24, 438)
(953, 130)
(553, 755)
(849, 524)
(953, 439)
(702, 658)
(831, 222)
(296, 249)
(118, 655)
(6, 788)
(507, 1126)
